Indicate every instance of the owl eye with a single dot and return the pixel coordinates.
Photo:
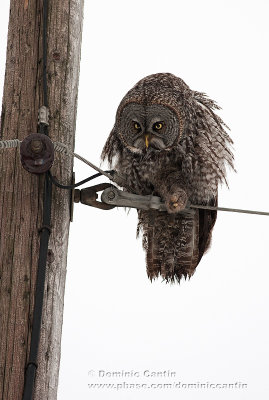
(136, 125)
(158, 126)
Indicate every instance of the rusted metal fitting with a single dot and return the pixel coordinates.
(37, 153)
(36, 146)
(89, 196)
(76, 195)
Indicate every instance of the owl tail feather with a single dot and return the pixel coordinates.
(173, 243)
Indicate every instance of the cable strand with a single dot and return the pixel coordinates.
(62, 148)
(32, 365)
(58, 184)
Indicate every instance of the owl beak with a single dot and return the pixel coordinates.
(147, 140)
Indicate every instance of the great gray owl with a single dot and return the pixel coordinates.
(167, 141)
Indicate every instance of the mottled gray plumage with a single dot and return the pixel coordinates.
(168, 141)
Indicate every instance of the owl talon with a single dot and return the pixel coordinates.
(176, 202)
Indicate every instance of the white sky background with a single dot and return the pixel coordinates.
(213, 328)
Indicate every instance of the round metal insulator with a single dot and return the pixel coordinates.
(37, 153)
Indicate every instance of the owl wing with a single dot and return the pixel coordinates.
(207, 219)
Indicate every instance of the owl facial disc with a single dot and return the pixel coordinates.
(152, 126)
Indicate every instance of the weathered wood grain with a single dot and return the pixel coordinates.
(21, 192)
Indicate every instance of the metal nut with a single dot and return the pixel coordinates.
(36, 146)
(111, 195)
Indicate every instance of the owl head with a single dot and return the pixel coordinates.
(161, 113)
(143, 126)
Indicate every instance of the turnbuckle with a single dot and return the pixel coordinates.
(120, 198)
(114, 197)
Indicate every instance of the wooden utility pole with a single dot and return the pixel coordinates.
(21, 192)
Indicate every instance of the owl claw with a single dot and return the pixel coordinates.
(176, 202)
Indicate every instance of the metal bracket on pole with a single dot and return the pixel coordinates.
(89, 195)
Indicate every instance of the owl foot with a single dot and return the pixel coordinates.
(176, 202)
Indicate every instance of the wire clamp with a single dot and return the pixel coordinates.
(120, 198)
(43, 115)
